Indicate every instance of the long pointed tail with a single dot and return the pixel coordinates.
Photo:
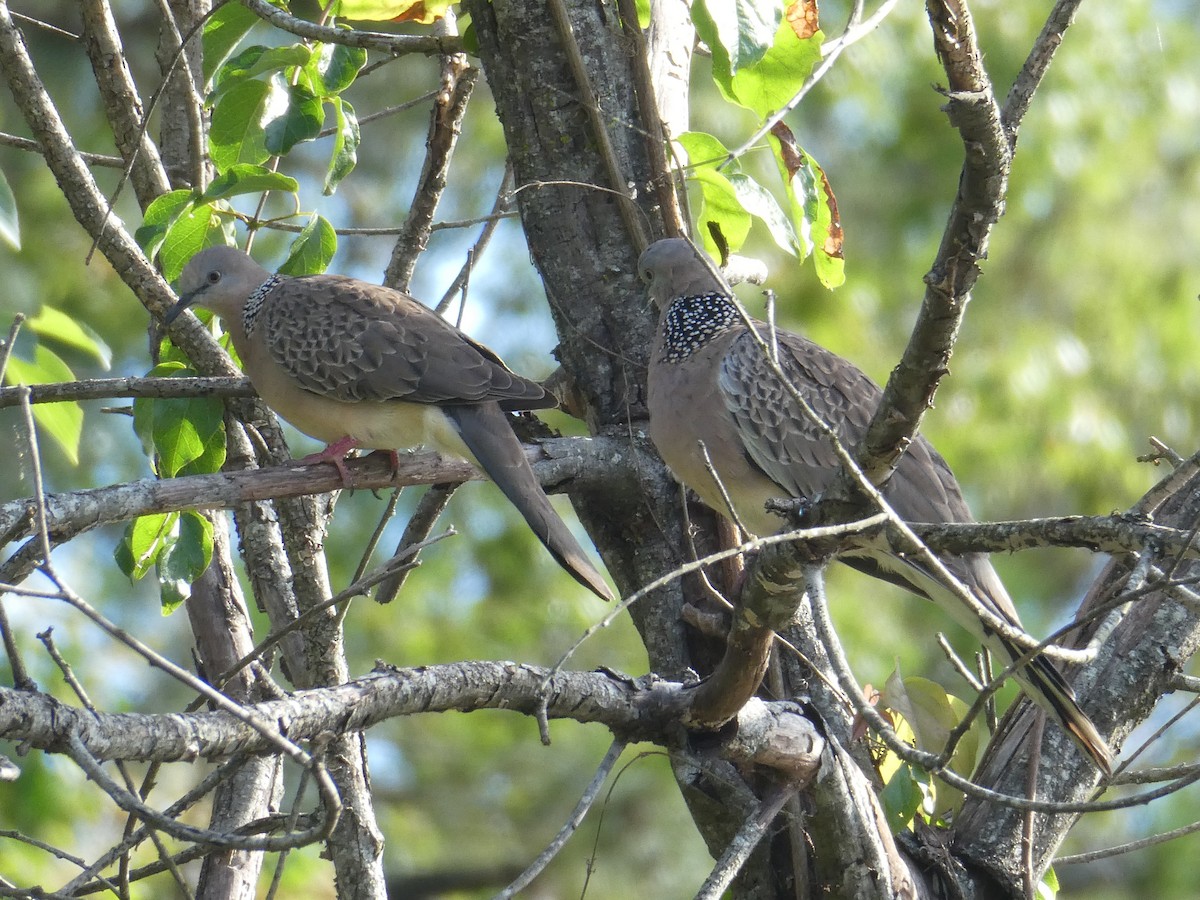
(1043, 683)
(1048, 689)
(485, 429)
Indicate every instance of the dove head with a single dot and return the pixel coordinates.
(220, 279)
(674, 267)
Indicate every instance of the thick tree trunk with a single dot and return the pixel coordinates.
(587, 257)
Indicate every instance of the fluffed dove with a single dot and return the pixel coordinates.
(712, 392)
(356, 364)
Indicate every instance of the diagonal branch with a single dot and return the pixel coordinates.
(121, 103)
(444, 128)
(983, 183)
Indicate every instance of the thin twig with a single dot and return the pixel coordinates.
(449, 108)
(753, 830)
(93, 159)
(572, 824)
(1094, 855)
(416, 534)
(47, 639)
(500, 211)
(134, 387)
(384, 113)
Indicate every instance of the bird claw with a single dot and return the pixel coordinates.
(335, 454)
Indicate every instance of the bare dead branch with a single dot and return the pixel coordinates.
(92, 159)
(1016, 104)
(748, 837)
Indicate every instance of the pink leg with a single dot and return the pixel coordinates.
(335, 453)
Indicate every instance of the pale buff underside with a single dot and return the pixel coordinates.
(387, 425)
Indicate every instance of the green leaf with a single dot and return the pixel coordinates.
(58, 326)
(334, 67)
(903, 796)
(313, 249)
(933, 714)
(721, 209)
(122, 554)
(740, 32)
(1048, 888)
(757, 201)
(10, 228)
(643, 14)
(705, 150)
(719, 206)
(160, 216)
(707, 31)
(470, 37)
(423, 11)
(198, 227)
(770, 83)
(812, 205)
(62, 421)
(345, 145)
(185, 435)
(238, 122)
(301, 120)
(827, 234)
(259, 60)
(244, 178)
(184, 559)
(144, 538)
(222, 32)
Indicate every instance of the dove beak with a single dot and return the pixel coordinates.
(175, 311)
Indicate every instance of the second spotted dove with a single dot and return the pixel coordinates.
(716, 405)
(355, 364)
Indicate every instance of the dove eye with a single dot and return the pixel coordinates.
(214, 277)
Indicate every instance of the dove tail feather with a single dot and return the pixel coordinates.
(490, 438)
(1046, 686)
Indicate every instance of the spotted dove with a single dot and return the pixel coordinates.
(716, 406)
(355, 364)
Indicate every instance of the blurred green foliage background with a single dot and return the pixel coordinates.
(1078, 345)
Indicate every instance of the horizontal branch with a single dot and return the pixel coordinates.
(644, 709)
(395, 44)
(133, 387)
(92, 159)
(559, 463)
(1115, 534)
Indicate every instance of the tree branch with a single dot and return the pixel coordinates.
(396, 44)
(559, 463)
(770, 734)
(972, 109)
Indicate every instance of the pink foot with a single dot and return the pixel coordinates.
(335, 453)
